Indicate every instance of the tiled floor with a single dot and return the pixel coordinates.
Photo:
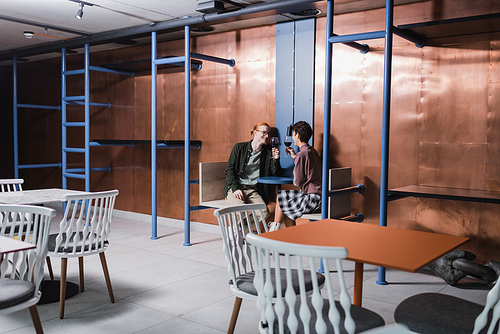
(162, 286)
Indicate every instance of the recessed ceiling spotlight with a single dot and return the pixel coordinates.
(307, 12)
(29, 34)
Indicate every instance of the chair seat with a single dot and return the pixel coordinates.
(433, 313)
(363, 318)
(13, 292)
(71, 244)
(245, 282)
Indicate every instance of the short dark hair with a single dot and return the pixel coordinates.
(304, 130)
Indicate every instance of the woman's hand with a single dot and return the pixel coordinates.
(239, 195)
(276, 153)
(291, 152)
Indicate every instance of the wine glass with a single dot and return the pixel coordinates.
(275, 141)
(288, 142)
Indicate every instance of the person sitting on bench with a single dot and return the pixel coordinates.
(247, 162)
(292, 204)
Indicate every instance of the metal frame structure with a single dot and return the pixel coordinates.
(85, 101)
(16, 106)
(331, 38)
(186, 59)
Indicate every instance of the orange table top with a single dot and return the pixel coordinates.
(395, 248)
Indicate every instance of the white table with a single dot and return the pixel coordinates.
(38, 196)
(9, 245)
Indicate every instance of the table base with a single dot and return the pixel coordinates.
(50, 291)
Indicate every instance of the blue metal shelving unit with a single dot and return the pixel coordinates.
(331, 38)
(80, 173)
(16, 106)
(186, 60)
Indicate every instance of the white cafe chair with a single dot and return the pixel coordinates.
(11, 185)
(234, 222)
(319, 312)
(432, 313)
(83, 231)
(21, 272)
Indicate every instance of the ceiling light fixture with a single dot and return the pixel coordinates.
(210, 7)
(29, 34)
(79, 13)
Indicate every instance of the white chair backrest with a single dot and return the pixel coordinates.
(10, 185)
(269, 254)
(32, 226)
(492, 302)
(234, 222)
(86, 221)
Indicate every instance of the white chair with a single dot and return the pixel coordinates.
(234, 222)
(21, 272)
(11, 185)
(83, 231)
(431, 313)
(319, 312)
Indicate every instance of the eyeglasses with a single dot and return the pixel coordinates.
(264, 132)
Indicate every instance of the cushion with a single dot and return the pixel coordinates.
(52, 244)
(435, 313)
(363, 318)
(13, 292)
(245, 282)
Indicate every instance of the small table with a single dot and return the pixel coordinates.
(405, 250)
(50, 288)
(9, 245)
(38, 196)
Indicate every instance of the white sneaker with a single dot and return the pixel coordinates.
(273, 226)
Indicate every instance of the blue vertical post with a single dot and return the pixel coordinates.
(187, 129)
(384, 163)
(63, 118)
(16, 135)
(154, 227)
(327, 110)
(87, 118)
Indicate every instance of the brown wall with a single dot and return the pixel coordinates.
(444, 118)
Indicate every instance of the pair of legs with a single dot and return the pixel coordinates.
(251, 195)
(280, 217)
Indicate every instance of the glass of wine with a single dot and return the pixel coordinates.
(288, 142)
(275, 141)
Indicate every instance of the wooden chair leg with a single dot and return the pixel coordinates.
(234, 315)
(62, 293)
(80, 270)
(49, 266)
(36, 319)
(106, 276)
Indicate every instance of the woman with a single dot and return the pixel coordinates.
(292, 204)
(247, 162)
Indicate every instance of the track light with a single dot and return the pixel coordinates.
(79, 13)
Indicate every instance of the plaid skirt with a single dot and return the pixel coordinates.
(294, 204)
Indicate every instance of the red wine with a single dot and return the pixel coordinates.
(288, 143)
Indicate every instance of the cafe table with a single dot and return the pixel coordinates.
(9, 245)
(406, 250)
(38, 196)
(50, 288)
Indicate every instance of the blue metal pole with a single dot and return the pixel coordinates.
(63, 117)
(40, 165)
(16, 136)
(154, 233)
(187, 138)
(200, 56)
(87, 118)
(327, 109)
(384, 163)
(37, 106)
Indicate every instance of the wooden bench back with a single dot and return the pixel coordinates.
(212, 180)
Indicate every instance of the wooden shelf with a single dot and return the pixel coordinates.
(453, 194)
(159, 143)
